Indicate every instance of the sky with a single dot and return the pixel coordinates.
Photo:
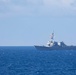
(31, 22)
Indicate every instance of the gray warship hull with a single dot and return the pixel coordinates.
(53, 45)
(55, 48)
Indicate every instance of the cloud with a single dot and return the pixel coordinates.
(37, 7)
(3, 0)
(59, 2)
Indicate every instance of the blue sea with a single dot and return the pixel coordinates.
(26, 60)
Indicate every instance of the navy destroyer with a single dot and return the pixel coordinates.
(53, 45)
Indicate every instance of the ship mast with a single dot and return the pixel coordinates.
(52, 36)
(51, 42)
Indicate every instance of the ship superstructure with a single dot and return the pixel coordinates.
(52, 43)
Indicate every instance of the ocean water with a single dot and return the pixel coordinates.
(29, 61)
